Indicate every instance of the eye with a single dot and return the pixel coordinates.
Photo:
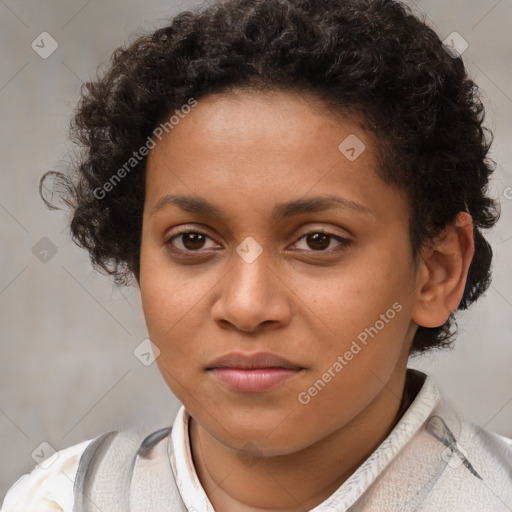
(320, 241)
(191, 241)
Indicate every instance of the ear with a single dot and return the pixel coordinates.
(442, 273)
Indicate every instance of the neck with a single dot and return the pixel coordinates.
(297, 481)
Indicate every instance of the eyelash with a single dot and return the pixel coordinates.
(344, 242)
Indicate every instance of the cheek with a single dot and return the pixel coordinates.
(164, 293)
(356, 297)
(365, 312)
(174, 302)
(168, 305)
(169, 308)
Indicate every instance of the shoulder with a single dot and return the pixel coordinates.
(449, 463)
(106, 458)
(478, 471)
(491, 451)
(49, 486)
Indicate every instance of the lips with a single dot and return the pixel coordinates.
(253, 373)
(252, 361)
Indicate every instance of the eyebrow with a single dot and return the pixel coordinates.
(200, 206)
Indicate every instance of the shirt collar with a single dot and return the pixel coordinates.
(347, 494)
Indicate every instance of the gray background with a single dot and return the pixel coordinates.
(67, 370)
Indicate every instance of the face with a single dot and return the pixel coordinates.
(268, 265)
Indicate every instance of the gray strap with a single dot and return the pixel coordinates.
(146, 447)
(440, 430)
(118, 473)
(153, 487)
(87, 469)
(102, 483)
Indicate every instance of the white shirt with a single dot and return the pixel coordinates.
(432, 460)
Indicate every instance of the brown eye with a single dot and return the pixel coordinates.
(319, 241)
(188, 241)
(193, 241)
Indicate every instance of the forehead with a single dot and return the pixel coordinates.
(264, 147)
(277, 119)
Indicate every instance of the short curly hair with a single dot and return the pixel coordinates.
(370, 57)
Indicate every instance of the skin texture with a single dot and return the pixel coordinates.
(303, 299)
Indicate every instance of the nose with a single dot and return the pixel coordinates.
(252, 296)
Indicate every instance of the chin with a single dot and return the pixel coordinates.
(257, 437)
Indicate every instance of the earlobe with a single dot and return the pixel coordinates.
(443, 273)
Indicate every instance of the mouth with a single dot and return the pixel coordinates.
(253, 373)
